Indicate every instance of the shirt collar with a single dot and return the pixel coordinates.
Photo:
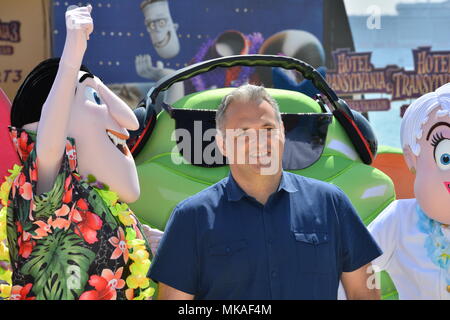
(235, 192)
(286, 183)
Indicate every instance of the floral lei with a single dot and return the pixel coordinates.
(6, 273)
(437, 243)
(137, 250)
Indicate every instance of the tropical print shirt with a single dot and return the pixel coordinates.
(76, 241)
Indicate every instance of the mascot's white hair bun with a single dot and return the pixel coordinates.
(418, 113)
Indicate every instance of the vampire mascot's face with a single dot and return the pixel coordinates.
(98, 122)
(426, 145)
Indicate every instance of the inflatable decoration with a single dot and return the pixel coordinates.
(328, 142)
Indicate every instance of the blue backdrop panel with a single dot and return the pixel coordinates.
(120, 33)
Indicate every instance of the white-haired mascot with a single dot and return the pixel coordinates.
(414, 234)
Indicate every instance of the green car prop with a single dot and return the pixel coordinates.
(328, 142)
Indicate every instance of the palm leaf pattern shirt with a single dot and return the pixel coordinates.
(67, 243)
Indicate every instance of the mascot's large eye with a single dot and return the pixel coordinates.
(92, 95)
(442, 154)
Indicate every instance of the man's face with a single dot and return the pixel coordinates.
(432, 183)
(161, 28)
(254, 138)
(98, 123)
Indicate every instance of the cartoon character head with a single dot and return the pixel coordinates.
(298, 44)
(425, 138)
(163, 32)
(98, 123)
(231, 42)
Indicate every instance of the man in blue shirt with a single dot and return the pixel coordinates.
(262, 233)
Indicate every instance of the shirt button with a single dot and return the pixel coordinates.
(228, 250)
(274, 274)
(269, 242)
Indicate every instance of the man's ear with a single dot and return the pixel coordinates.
(282, 133)
(220, 141)
(410, 159)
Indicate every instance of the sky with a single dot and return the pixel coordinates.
(359, 7)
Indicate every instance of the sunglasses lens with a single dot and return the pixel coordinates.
(305, 139)
(195, 137)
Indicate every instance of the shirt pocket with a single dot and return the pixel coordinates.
(313, 251)
(228, 262)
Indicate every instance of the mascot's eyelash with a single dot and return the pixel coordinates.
(438, 137)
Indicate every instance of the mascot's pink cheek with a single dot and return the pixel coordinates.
(447, 185)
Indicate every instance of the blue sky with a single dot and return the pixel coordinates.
(359, 7)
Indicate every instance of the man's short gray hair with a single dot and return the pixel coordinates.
(245, 93)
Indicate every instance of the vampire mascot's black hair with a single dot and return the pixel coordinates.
(27, 105)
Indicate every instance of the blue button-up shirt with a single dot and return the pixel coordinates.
(223, 244)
